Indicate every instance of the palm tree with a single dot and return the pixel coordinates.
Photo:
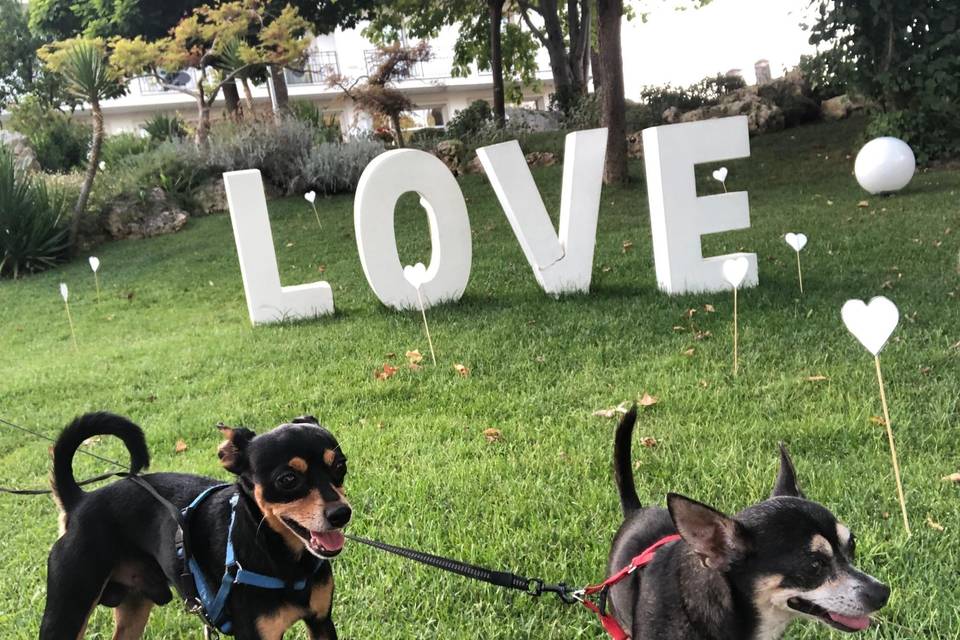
(84, 67)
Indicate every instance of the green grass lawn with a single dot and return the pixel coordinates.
(170, 346)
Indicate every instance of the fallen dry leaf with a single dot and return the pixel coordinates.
(462, 370)
(386, 372)
(863, 204)
(414, 367)
(953, 477)
(817, 378)
(180, 447)
(627, 245)
(689, 313)
(689, 352)
(605, 269)
(709, 308)
(648, 400)
(492, 435)
(677, 327)
(925, 370)
(648, 442)
(878, 420)
(414, 357)
(933, 524)
(322, 268)
(704, 384)
(701, 335)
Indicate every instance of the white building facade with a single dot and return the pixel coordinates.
(437, 95)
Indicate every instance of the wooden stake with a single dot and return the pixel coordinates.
(426, 327)
(96, 280)
(893, 448)
(799, 273)
(317, 214)
(735, 336)
(73, 334)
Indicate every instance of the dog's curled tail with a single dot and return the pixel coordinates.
(622, 467)
(65, 486)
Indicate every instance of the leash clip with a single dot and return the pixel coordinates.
(567, 595)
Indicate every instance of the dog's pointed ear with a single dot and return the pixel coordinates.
(717, 539)
(787, 477)
(305, 420)
(233, 449)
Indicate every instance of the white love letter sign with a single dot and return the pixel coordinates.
(267, 300)
(562, 262)
(678, 217)
(385, 179)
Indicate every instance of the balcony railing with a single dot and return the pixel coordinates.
(317, 69)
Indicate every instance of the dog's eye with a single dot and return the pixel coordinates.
(288, 480)
(818, 566)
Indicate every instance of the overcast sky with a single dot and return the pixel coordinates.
(681, 47)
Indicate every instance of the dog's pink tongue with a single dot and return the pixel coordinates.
(329, 540)
(851, 623)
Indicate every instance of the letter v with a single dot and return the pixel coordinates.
(562, 263)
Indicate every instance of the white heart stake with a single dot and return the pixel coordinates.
(720, 175)
(416, 275)
(873, 324)
(797, 241)
(311, 197)
(65, 294)
(735, 270)
(95, 265)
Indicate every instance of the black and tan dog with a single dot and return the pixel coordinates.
(744, 577)
(118, 545)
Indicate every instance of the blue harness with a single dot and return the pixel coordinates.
(214, 602)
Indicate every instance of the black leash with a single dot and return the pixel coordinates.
(40, 492)
(531, 586)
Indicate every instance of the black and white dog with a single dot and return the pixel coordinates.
(737, 577)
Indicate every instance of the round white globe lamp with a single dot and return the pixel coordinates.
(884, 165)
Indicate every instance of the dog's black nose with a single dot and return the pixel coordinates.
(876, 594)
(338, 515)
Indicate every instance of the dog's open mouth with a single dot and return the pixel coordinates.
(835, 620)
(326, 544)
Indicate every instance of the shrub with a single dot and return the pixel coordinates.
(35, 234)
(325, 129)
(470, 121)
(122, 145)
(581, 113)
(60, 142)
(175, 167)
(827, 73)
(426, 138)
(275, 148)
(164, 128)
(335, 167)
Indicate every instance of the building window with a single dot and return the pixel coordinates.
(149, 84)
(318, 67)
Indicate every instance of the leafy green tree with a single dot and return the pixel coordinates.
(220, 43)
(486, 38)
(17, 52)
(904, 56)
(61, 19)
(84, 65)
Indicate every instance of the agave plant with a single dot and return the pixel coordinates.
(33, 233)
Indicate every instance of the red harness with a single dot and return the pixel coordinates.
(610, 624)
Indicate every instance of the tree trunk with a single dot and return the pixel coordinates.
(203, 124)
(280, 88)
(92, 167)
(613, 105)
(231, 98)
(496, 60)
(595, 69)
(247, 95)
(397, 129)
